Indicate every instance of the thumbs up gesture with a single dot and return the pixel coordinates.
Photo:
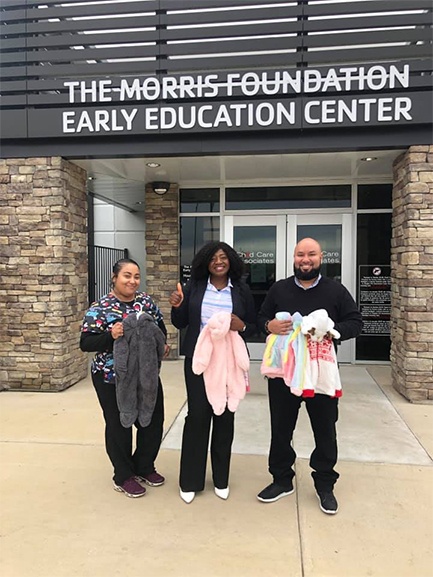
(176, 297)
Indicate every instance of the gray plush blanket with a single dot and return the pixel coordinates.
(137, 360)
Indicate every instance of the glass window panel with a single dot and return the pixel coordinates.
(195, 231)
(199, 199)
(257, 246)
(330, 238)
(374, 252)
(332, 196)
(375, 196)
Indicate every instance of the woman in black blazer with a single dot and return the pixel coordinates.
(215, 286)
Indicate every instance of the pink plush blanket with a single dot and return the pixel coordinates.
(222, 356)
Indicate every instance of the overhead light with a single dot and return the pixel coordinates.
(91, 178)
(160, 187)
(368, 158)
(152, 164)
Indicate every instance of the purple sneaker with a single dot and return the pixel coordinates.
(153, 479)
(131, 488)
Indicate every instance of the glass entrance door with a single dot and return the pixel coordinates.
(261, 241)
(266, 244)
(333, 232)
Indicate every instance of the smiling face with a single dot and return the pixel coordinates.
(219, 265)
(307, 259)
(126, 282)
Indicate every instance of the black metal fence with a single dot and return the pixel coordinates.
(101, 261)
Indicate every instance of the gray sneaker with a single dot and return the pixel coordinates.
(273, 492)
(327, 502)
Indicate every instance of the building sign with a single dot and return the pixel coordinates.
(185, 273)
(225, 101)
(375, 299)
(257, 257)
(331, 257)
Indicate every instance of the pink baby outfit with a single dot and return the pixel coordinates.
(222, 356)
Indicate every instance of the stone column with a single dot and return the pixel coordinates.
(412, 275)
(162, 253)
(43, 265)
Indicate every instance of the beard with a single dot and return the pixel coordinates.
(310, 275)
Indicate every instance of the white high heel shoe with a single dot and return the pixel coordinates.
(222, 493)
(187, 496)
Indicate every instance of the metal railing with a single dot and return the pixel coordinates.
(101, 261)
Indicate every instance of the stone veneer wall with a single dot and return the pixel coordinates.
(162, 254)
(412, 275)
(43, 266)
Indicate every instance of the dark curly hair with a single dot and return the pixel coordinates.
(200, 263)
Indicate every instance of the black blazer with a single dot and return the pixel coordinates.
(189, 312)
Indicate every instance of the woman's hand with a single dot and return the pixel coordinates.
(166, 351)
(117, 330)
(236, 324)
(176, 297)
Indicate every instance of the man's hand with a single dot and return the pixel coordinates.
(277, 327)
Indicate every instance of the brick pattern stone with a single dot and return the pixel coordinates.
(43, 266)
(412, 275)
(162, 253)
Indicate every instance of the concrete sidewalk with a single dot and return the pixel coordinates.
(61, 517)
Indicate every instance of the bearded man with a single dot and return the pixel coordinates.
(304, 292)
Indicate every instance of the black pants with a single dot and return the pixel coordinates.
(323, 413)
(195, 439)
(118, 439)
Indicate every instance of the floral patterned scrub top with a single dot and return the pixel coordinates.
(103, 314)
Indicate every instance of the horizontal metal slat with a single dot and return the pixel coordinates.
(233, 63)
(53, 56)
(208, 4)
(355, 38)
(14, 86)
(92, 9)
(76, 39)
(71, 71)
(7, 44)
(223, 17)
(279, 43)
(13, 15)
(261, 29)
(375, 55)
(346, 8)
(375, 22)
(79, 25)
(15, 100)
(12, 72)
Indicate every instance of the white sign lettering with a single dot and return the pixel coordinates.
(159, 103)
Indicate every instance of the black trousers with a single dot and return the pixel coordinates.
(323, 413)
(118, 439)
(195, 439)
